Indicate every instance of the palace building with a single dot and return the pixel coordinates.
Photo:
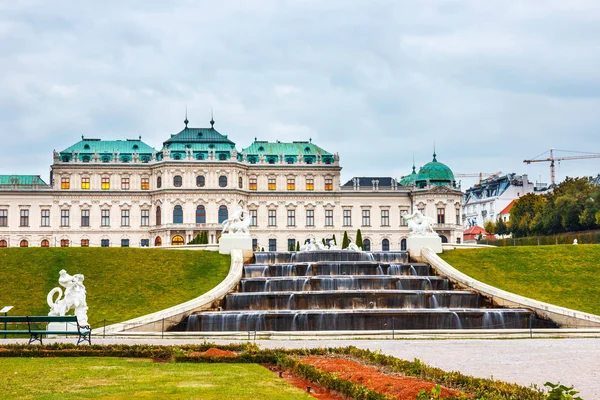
(126, 193)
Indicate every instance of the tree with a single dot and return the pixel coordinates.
(501, 227)
(359, 239)
(297, 246)
(334, 241)
(345, 241)
(291, 246)
(489, 226)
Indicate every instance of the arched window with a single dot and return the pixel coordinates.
(223, 214)
(223, 181)
(158, 216)
(3, 243)
(45, 243)
(64, 243)
(200, 215)
(366, 245)
(385, 245)
(159, 182)
(177, 241)
(240, 182)
(157, 242)
(178, 215)
(24, 243)
(200, 181)
(403, 245)
(444, 239)
(177, 181)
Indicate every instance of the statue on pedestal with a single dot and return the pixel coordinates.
(74, 297)
(419, 224)
(238, 224)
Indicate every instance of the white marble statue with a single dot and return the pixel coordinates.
(419, 224)
(74, 297)
(238, 224)
(353, 247)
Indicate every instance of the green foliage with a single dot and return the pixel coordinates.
(334, 240)
(359, 239)
(345, 241)
(489, 226)
(589, 237)
(561, 392)
(291, 246)
(501, 228)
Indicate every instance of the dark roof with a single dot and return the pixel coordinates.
(199, 135)
(384, 181)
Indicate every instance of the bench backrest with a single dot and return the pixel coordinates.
(38, 319)
(11, 319)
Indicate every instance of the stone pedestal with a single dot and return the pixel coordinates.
(415, 243)
(228, 242)
(61, 326)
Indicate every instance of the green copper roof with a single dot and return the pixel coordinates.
(435, 172)
(198, 135)
(201, 146)
(289, 149)
(21, 180)
(410, 179)
(91, 146)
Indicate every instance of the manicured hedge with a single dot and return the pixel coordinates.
(588, 237)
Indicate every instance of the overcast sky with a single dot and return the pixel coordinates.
(491, 83)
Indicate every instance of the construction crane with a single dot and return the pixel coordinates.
(480, 175)
(552, 160)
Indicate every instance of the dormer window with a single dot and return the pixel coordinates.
(307, 149)
(135, 147)
(85, 158)
(200, 134)
(65, 158)
(199, 156)
(177, 157)
(261, 148)
(222, 156)
(211, 146)
(87, 147)
(105, 159)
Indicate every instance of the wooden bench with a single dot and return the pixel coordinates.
(36, 326)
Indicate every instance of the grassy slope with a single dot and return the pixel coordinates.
(564, 275)
(114, 378)
(120, 283)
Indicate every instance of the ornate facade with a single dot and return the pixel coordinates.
(126, 193)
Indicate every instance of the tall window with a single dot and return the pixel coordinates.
(200, 181)
(145, 183)
(291, 217)
(85, 218)
(272, 184)
(347, 218)
(45, 218)
(178, 215)
(292, 244)
(104, 243)
(145, 243)
(385, 217)
(366, 245)
(105, 218)
(177, 181)
(441, 215)
(385, 245)
(223, 181)
(159, 182)
(3, 217)
(310, 217)
(157, 242)
(240, 182)
(200, 215)
(124, 183)
(272, 244)
(223, 214)
(252, 183)
(253, 217)
(458, 216)
(366, 217)
(310, 184)
(328, 184)
(124, 217)
(254, 244)
(403, 222)
(64, 243)
(85, 182)
(24, 218)
(65, 182)
(45, 243)
(124, 242)
(3, 243)
(158, 216)
(146, 218)
(85, 242)
(23, 243)
(291, 184)
(328, 217)
(64, 217)
(105, 183)
(272, 217)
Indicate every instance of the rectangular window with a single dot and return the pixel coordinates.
(64, 217)
(124, 242)
(255, 244)
(4, 217)
(366, 217)
(104, 243)
(441, 215)
(105, 218)
(145, 243)
(124, 217)
(146, 184)
(124, 183)
(24, 218)
(85, 182)
(105, 183)
(146, 218)
(328, 217)
(64, 243)
(85, 242)
(458, 216)
(252, 183)
(291, 244)
(291, 184)
(403, 222)
(385, 217)
(272, 244)
(310, 184)
(272, 184)
(310, 217)
(85, 217)
(272, 217)
(291, 217)
(65, 183)
(328, 184)
(347, 218)
(253, 217)
(45, 218)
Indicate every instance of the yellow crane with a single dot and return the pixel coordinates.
(551, 159)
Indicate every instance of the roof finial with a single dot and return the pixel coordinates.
(212, 119)
(414, 169)
(310, 140)
(185, 121)
(434, 155)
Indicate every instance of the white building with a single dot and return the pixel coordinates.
(126, 193)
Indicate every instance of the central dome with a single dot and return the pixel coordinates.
(436, 173)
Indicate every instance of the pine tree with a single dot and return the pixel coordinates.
(297, 246)
(334, 241)
(345, 241)
(359, 239)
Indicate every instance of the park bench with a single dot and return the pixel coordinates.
(36, 326)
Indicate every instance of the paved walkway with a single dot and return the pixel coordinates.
(573, 362)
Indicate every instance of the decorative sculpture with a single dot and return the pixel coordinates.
(419, 224)
(238, 224)
(353, 247)
(74, 297)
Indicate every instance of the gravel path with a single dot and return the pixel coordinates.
(574, 362)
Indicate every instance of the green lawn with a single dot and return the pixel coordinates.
(122, 378)
(121, 283)
(564, 275)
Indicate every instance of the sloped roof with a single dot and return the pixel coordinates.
(475, 230)
(199, 135)
(409, 180)
(435, 171)
(290, 149)
(21, 180)
(91, 146)
(384, 181)
(507, 209)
